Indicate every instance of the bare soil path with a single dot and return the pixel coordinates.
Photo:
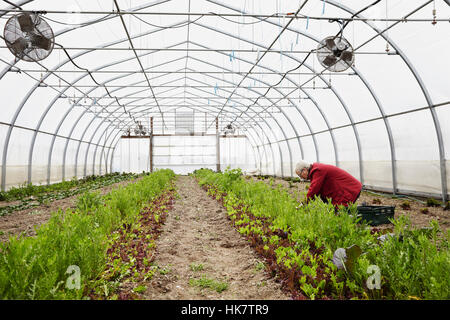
(199, 246)
(24, 221)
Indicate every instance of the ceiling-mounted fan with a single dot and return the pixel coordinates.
(29, 37)
(335, 53)
(140, 130)
(229, 129)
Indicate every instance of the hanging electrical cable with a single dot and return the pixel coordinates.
(275, 15)
(257, 62)
(49, 44)
(95, 81)
(104, 18)
(184, 24)
(41, 79)
(13, 4)
(139, 62)
(344, 25)
(355, 14)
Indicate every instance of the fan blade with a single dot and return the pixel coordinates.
(41, 42)
(329, 60)
(347, 56)
(25, 22)
(19, 46)
(331, 44)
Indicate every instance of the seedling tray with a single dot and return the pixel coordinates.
(376, 215)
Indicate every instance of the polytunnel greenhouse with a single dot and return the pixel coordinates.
(224, 150)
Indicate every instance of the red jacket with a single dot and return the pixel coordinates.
(329, 181)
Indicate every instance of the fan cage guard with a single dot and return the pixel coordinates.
(323, 52)
(13, 32)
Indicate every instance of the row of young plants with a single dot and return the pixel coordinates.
(321, 253)
(130, 253)
(69, 253)
(31, 195)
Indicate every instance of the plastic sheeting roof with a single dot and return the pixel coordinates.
(251, 63)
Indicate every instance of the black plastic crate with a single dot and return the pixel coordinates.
(376, 215)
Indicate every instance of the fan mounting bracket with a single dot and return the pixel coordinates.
(341, 24)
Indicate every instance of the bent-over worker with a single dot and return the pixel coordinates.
(329, 182)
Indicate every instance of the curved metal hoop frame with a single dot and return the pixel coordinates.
(268, 137)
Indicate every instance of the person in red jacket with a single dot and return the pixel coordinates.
(329, 182)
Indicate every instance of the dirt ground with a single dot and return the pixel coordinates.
(418, 219)
(199, 242)
(24, 221)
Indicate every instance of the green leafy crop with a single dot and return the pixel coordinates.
(413, 263)
(37, 267)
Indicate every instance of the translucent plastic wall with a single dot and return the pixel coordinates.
(384, 119)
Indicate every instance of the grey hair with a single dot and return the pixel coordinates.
(302, 164)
